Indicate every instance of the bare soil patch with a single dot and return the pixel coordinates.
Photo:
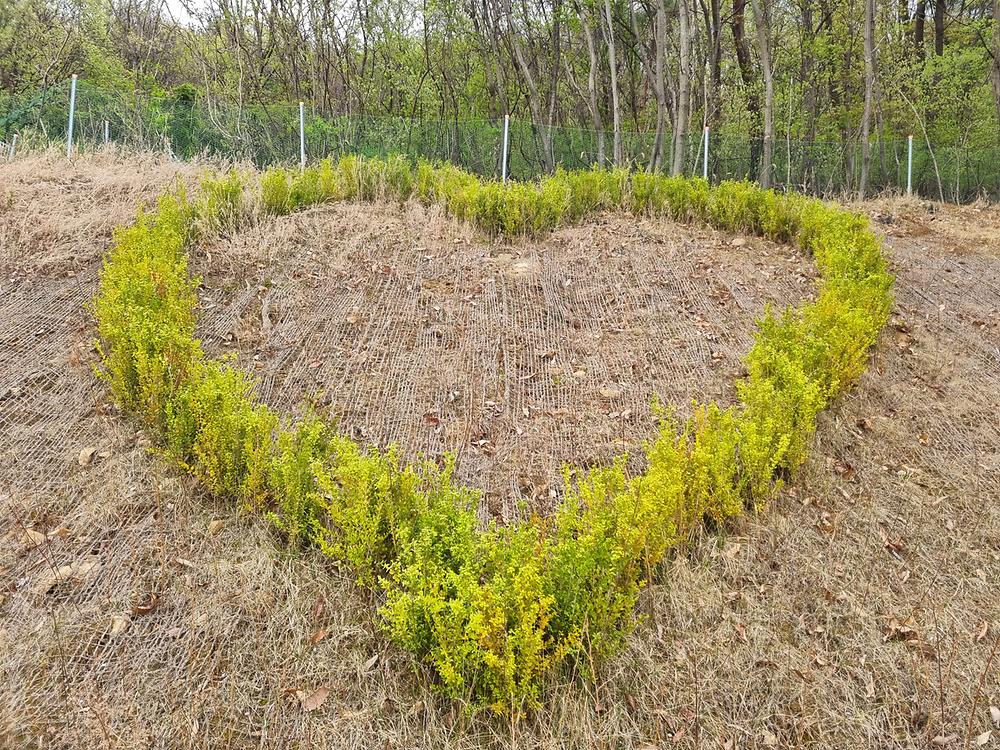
(861, 610)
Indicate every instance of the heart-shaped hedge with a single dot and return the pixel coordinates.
(490, 610)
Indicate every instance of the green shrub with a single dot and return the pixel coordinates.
(275, 194)
(607, 535)
(217, 432)
(780, 398)
(367, 501)
(398, 177)
(306, 189)
(295, 507)
(146, 311)
(472, 605)
(711, 470)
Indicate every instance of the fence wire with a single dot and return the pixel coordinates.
(187, 126)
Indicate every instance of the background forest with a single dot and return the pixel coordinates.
(816, 94)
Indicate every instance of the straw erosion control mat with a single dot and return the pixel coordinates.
(861, 610)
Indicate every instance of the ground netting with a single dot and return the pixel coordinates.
(516, 357)
(268, 133)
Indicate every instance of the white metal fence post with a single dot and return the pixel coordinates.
(107, 132)
(13, 145)
(909, 165)
(506, 135)
(302, 137)
(704, 165)
(72, 108)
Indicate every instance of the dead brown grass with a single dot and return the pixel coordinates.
(860, 611)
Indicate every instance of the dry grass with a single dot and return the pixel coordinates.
(850, 615)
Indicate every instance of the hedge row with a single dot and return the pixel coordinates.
(490, 610)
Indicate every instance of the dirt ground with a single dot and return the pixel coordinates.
(517, 358)
(861, 611)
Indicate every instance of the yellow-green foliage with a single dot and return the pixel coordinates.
(291, 478)
(711, 470)
(365, 501)
(146, 311)
(351, 178)
(220, 434)
(275, 193)
(471, 603)
(604, 532)
(490, 610)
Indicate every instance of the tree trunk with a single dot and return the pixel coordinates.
(764, 42)
(738, 26)
(652, 57)
(659, 83)
(919, 17)
(594, 102)
(996, 56)
(615, 105)
(534, 104)
(940, 7)
(683, 88)
(809, 95)
(866, 117)
(714, 22)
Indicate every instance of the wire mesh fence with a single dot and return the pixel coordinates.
(187, 125)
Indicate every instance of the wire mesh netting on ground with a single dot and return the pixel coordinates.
(187, 125)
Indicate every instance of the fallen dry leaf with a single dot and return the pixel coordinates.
(741, 631)
(318, 636)
(922, 647)
(370, 663)
(984, 737)
(118, 624)
(216, 526)
(900, 631)
(984, 628)
(33, 538)
(943, 740)
(995, 715)
(77, 570)
(86, 456)
(895, 546)
(315, 699)
(844, 469)
(147, 605)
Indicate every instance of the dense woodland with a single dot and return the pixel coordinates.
(857, 72)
